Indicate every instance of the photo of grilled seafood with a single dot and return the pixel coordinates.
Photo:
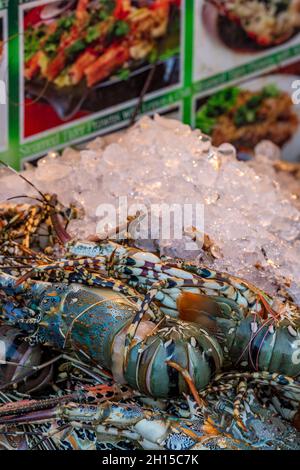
(86, 44)
(260, 23)
(245, 117)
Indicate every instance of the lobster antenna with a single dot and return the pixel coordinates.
(23, 178)
(25, 197)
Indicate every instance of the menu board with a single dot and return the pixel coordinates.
(75, 69)
(3, 78)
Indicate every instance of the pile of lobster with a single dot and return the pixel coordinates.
(103, 345)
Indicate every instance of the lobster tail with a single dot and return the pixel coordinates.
(181, 343)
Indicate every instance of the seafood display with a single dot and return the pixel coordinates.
(106, 416)
(85, 419)
(106, 344)
(245, 117)
(266, 22)
(95, 324)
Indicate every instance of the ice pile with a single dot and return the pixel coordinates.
(252, 224)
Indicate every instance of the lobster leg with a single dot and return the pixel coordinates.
(241, 392)
(186, 375)
(246, 295)
(78, 271)
(287, 387)
(53, 267)
(34, 220)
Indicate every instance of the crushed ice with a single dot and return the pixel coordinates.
(252, 218)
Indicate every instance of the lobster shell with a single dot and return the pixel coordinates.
(18, 361)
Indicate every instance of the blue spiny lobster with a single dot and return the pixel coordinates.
(74, 415)
(191, 322)
(138, 344)
(254, 329)
(96, 323)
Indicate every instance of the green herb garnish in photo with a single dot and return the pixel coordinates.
(32, 42)
(121, 28)
(248, 113)
(92, 33)
(74, 49)
(123, 74)
(224, 100)
(216, 105)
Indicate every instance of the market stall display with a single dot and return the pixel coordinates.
(155, 326)
(149, 225)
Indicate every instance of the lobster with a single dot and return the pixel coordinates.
(138, 344)
(40, 225)
(96, 323)
(111, 421)
(25, 222)
(255, 331)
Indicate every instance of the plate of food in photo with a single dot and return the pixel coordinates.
(252, 25)
(81, 54)
(248, 113)
(255, 24)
